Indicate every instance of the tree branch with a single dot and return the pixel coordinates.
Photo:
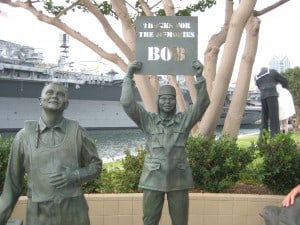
(145, 8)
(108, 29)
(65, 10)
(128, 29)
(269, 8)
(114, 58)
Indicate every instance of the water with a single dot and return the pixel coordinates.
(112, 143)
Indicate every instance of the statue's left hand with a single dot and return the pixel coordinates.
(133, 67)
(199, 67)
(62, 179)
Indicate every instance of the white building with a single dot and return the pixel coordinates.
(279, 63)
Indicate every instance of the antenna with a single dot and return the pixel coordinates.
(64, 53)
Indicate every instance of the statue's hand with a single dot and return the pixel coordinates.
(62, 179)
(199, 67)
(133, 67)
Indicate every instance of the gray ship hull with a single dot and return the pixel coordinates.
(90, 114)
(94, 106)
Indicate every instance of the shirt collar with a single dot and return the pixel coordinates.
(61, 125)
(262, 74)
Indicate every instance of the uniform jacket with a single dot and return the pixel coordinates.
(166, 167)
(266, 82)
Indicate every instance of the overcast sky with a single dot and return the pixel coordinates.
(279, 33)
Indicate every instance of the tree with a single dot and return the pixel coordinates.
(223, 75)
(293, 76)
(218, 78)
(237, 106)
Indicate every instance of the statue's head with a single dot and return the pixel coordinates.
(166, 101)
(264, 69)
(54, 97)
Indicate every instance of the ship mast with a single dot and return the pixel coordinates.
(64, 53)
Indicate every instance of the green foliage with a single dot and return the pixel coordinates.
(57, 7)
(253, 173)
(51, 8)
(216, 164)
(280, 162)
(5, 144)
(110, 181)
(201, 6)
(293, 76)
(247, 141)
(92, 186)
(133, 166)
(124, 179)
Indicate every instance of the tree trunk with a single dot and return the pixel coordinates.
(154, 81)
(145, 89)
(237, 23)
(179, 96)
(237, 106)
(210, 60)
(213, 48)
(296, 123)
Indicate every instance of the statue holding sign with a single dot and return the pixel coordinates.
(166, 169)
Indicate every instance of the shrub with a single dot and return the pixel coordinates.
(216, 164)
(133, 166)
(253, 173)
(92, 186)
(281, 162)
(5, 144)
(124, 179)
(110, 181)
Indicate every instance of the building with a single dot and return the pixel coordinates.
(279, 63)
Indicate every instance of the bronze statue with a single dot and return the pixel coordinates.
(288, 213)
(57, 156)
(166, 169)
(266, 81)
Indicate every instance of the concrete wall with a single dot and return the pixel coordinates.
(205, 209)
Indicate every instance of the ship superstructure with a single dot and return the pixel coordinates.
(94, 98)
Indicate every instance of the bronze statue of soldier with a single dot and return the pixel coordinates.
(166, 170)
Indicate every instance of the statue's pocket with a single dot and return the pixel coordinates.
(182, 166)
(150, 174)
(180, 137)
(157, 138)
(152, 166)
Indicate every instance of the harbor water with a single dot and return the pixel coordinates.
(111, 144)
